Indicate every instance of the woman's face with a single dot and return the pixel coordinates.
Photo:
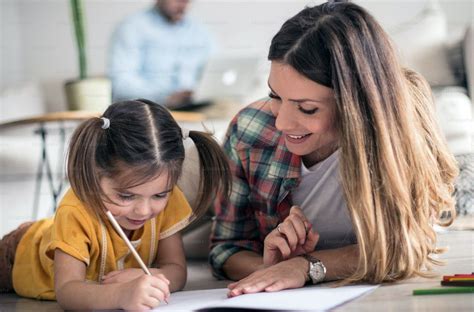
(305, 113)
(133, 206)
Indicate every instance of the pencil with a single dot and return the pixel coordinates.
(457, 283)
(444, 290)
(452, 279)
(127, 241)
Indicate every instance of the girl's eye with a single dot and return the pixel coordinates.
(308, 111)
(125, 196)
(273, 96)
(161, 195)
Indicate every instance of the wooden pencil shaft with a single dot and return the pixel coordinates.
(127, 241)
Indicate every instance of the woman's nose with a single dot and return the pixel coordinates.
(285, 118)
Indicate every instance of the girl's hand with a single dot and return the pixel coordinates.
(122, 276)
(286, 274)
(127, 275)
(292, 237)
(144, 292)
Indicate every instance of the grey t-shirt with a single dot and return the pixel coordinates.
(321, 198)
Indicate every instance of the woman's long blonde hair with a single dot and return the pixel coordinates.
(397, 172)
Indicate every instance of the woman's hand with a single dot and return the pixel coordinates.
(144, 292)
(292, 237)
(286, 274)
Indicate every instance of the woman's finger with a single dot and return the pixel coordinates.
(311, 241)
(276, 286)
(296, 210)
(276, 248)
(299, 229)
(288, 232)
(252, 284)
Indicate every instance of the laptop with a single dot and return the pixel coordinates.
(224, 78)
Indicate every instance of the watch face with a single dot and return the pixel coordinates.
(317, 272)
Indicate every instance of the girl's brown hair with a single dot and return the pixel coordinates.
(142, 141)
(397, 173)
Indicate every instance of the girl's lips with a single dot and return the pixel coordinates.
(297, 139)
(136, 222)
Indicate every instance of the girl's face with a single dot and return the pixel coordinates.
(133, 206)
(305, 112)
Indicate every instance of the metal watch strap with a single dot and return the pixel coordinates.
(317, 270)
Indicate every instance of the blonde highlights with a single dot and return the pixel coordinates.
(396, 170)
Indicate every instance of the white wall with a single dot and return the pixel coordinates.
(37, 42)
(10, 44)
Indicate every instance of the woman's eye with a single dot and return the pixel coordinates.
(308, 111)
(273, 96)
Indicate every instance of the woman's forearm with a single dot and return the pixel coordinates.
(242, 264)
(340, 263)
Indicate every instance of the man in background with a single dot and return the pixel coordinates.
(158, 54)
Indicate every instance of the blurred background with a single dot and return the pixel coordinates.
(38, 55)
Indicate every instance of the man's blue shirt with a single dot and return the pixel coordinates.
(152, 58)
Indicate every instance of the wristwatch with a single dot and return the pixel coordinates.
(317, 270)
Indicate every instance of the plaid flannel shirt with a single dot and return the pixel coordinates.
(264, 172)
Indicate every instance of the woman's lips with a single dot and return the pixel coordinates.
(297, 139)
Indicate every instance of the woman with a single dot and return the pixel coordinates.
(349, 139)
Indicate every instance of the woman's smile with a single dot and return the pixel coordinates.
(296, 139)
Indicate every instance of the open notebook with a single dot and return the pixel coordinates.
(314, 298)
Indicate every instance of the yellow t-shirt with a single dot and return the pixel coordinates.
(79, 232)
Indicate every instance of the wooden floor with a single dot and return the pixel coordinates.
(394, 297)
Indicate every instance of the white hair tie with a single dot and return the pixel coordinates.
(106, 123)
(185, 133)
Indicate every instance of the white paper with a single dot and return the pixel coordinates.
(315, 298)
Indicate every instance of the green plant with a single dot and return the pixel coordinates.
(78, 20)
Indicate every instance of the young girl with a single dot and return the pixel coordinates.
(341, 173)
(127, 162)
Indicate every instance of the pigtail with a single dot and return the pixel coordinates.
(213, 169)
(81, 163)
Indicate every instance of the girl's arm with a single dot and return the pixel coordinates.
(170, 264)
(74, 292)
(171, 261)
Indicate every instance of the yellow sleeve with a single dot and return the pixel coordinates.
(177, 214)
(72, 232)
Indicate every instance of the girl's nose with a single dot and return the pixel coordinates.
(143, 208)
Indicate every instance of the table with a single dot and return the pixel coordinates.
(61, 118)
